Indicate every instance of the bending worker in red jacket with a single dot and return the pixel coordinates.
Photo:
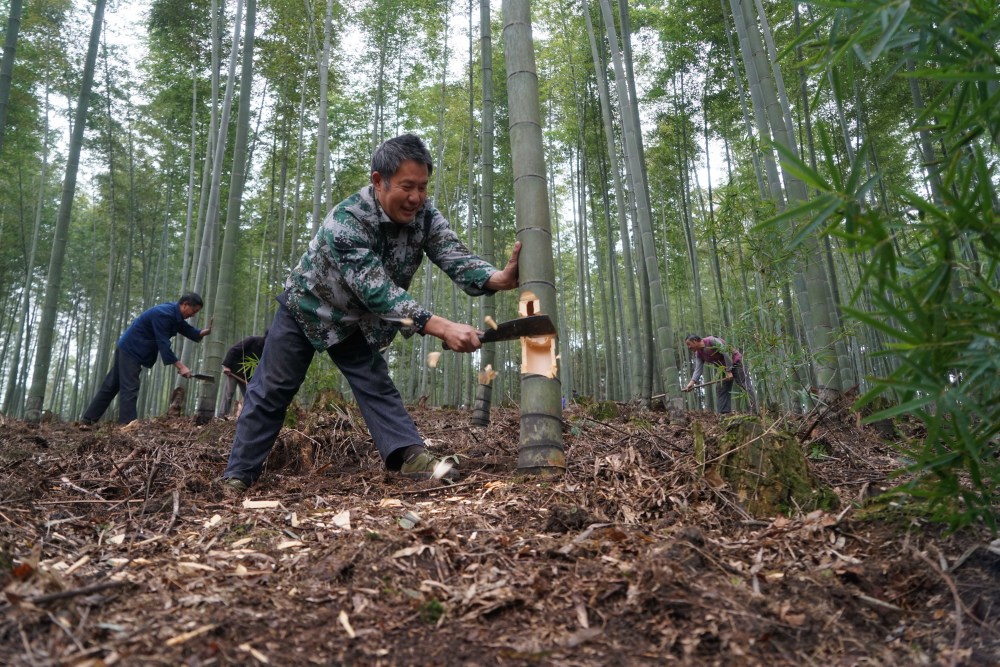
(713, 350)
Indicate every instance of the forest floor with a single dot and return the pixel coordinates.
(118, 547)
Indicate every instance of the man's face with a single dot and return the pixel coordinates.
(405, 194)
(693, 345)
(189, 310)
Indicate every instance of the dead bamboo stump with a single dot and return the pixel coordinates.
(764, 468)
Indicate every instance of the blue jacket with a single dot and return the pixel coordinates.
(151, 333)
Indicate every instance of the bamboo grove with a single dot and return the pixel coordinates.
(815, 182)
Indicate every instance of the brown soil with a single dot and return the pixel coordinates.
(117, 547)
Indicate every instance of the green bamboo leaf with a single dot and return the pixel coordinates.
(816, 222)
(902, 408)
(955, 75)
(796, 212)
(879, 324)
(938, 465)
(857, 168)
(795, 165)
(830, 159)
(890, 32)
(903, 385)
(861, 193)
(806, 35)
(916, 201)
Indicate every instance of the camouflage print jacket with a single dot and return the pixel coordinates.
(360, 264)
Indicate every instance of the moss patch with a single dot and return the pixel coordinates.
(603, 410)
(768, 470)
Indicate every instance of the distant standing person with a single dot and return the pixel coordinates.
(241, 358)
(348, 297)
(714, 350)
(149, 334)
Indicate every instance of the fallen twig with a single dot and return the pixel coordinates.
(152, 472)
(86, 590)
(187, 636)
(875, 602)
(746, 515)
(826, 409)
(87, 502)
(959, 607)
(745, 444)
(633, 435)
(173, 517)
(439, 488)
(66, 482)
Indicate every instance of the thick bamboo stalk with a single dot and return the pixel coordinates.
(634, 349)
(322, 159)
(221, 307)
(7, 68)
(46, 328)
(540, 448)
(484, 388)
(657, 282)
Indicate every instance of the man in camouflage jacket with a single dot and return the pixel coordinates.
(348, 296)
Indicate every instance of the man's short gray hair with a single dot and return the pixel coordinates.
(393, 152)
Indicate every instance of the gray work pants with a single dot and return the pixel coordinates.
(724, 390)
(278, 376)
(229, 392)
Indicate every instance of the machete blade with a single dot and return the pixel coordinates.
(533, 325)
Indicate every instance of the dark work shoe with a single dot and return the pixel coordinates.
(234, 484)
(423, 465)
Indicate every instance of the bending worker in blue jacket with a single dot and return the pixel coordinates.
(149, 333)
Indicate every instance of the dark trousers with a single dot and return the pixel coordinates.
(724, 390)
(122, 381)
(278, 376)
(229, 393)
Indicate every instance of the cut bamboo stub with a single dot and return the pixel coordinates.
(490, 322)
(538, 353)
(538, 356)
(487, 374)
(432, 359)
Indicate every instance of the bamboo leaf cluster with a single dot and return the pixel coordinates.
(933, 278)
